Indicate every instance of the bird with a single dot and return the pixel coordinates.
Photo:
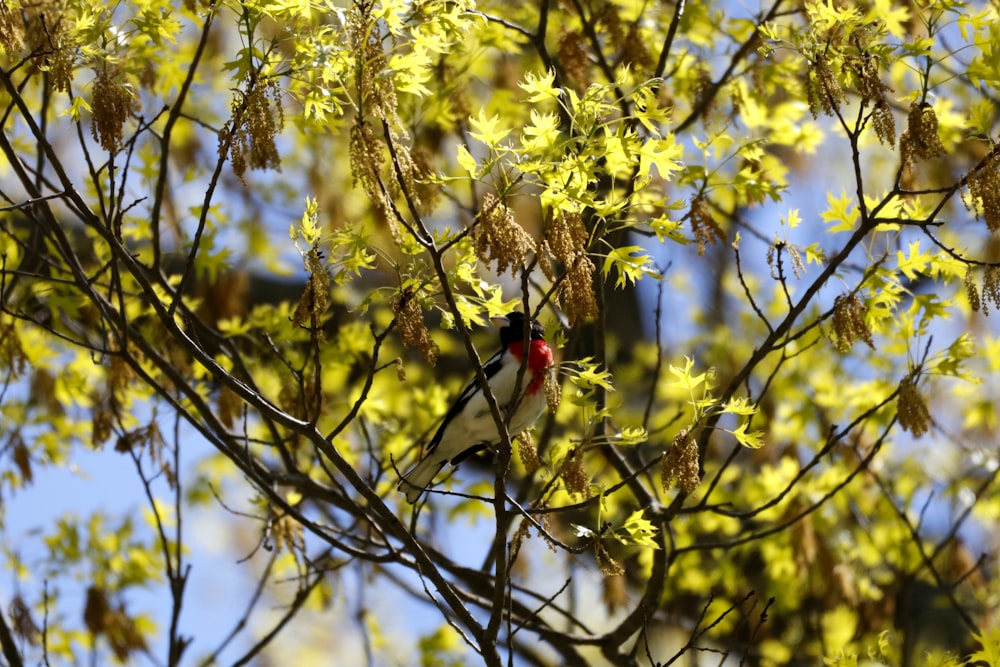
(468, 426)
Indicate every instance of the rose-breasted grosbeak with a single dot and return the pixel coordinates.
(468, 426)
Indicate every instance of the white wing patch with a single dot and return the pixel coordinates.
(471, 417)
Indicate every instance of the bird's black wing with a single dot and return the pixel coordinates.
(490, 368)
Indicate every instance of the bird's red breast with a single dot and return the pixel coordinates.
(539, 358)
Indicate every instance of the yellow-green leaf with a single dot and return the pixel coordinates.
(751, 440)
(641, 532)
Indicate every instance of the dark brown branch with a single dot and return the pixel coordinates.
(8, 644)
(706, 100)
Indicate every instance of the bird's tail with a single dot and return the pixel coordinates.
(419, 477)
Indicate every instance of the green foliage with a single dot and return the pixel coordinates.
(442, 648)
(762, 244)
(989, 652)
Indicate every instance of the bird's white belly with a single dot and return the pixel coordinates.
(468, 428)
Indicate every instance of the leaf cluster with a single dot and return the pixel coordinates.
(706, 209)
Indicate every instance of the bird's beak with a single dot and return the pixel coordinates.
(500, 321)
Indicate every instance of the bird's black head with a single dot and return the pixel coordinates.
(512, 328)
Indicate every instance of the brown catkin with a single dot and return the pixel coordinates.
(112, 104)
(553, 390)
(991, 287)
(499, 238)
(577, 294)
(315, 297)
(823, 90)
(679, 465)
(984, 190)
(704, 227)
(911, 408)
(574, 475)
(849, 322)
(574, 58)
(565, 243)
(257, 119)
(528, 452)
(412, 328)
(11, 29)
(920, 141)
(971, 290)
